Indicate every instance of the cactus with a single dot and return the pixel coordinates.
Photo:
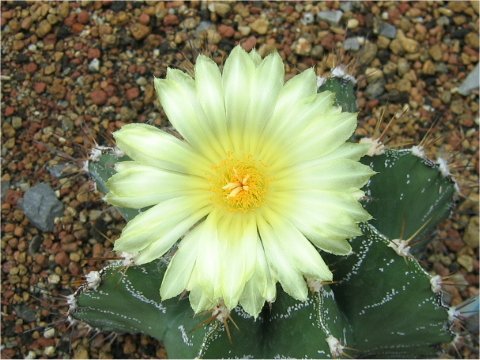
(381, 303)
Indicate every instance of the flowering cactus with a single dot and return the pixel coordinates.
(266, 188)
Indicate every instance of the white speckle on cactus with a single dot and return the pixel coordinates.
(185, 338)
(85, 167)
(320, 81)
(376, 146)
(339, 71)
(336, 347)
(436, 282)
(401, 247)
(443, 167)
(418, 151)
(72, 303)
(93, 279)
(127, 259)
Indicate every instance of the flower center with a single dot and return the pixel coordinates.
(239, 184)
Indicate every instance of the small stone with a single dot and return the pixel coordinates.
(26, 23)
(403, 66)
(49, 333)
(226, 31)
(170, 19)
(260, 26)
(140, 31)
(213, 36)
(466, 261)
(375, 89)
(30, 68)
(302, 47)
(17, 122)
(83, 17)
(43, 28)
(221, 9)
(308, 18)
(471, 82)
(99, 97)
(49, 351)
(471, 236)
(351, 44)
(472, 39)
(53, 279)
(94, 65)
(403, 85)
(367, 53)
(410, 46)
(244, 30)
(396, 47)
(317, 52)
(331, 16)
(132, 93)
(62, 259)
(428, 67)
(457, 106)
(436, 52)
(249, 43)
(93, 53)
(352, 23)
(387, 30)
(41, 206)
(144, 19)
(39, 87)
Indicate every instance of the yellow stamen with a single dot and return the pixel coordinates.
(239, 184)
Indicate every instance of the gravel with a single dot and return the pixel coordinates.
(74, 72)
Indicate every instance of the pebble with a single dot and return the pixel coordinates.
(387, 30)
(367, 53)
(409, 45)
(351, 44)
(302, 47)
(244, 30)
(260, 26)
(17, 122)
(221, 9)
(471, 236)
(352, 23)
(94, 65)
(331, 16)
(43, 28)
(471, 82)
(39, 87)
(132, 93)
(41, 206)
(49, 333)
(83, 17)
(375, 89)
(49, 351)
(466, 261)
(170, 20)
(53, 279)
(99, 97)
(140, 31)
(226, 31)
(436, 52)
(93, 53)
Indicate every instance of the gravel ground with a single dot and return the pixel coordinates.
(72, 73)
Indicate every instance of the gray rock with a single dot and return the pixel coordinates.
(351, 44)
(308, 18)
(24, 312)
(41, 206)
(470, 83)
(387, 30)
(346, 6)
(56, 170)
(94, 65)
(332, 16)
(375, 89)
(5, 184)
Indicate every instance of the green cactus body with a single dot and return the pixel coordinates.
(381, 303)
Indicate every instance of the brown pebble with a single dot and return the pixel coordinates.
(139, 31)
(39, 87)
(30, 67)
(250, 43)
(132, 93)
(77, 28)
(93, 53)
(226, 31)
(144, 19)
(99, 97)
(62, 259)
(170, 19)
(83, 17)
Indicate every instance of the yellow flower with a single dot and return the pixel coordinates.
(263, 177)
